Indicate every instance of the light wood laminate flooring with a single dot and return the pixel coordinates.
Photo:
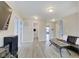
(41, 49)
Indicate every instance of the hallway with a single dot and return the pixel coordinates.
(40, 49)
(57, 16)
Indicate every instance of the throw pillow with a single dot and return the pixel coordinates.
(77, 41)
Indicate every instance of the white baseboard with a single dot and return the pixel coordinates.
(25, 43)
(41, 40)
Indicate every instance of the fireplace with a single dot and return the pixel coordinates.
(13, 44)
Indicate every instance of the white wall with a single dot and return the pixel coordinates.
(71, 25)
(57, 29)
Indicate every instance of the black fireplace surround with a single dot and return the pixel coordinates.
(13, 44)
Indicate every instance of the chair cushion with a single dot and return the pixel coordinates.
(77, 41)
(65, 37)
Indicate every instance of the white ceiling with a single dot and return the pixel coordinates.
(27, 9)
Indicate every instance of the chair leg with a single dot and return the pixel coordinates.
(50, 44)
(60, 52)
(68, 51)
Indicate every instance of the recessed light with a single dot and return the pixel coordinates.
(35, 17)
(50, 9)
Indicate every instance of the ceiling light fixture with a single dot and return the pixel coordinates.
(50, 9)
(35, 17)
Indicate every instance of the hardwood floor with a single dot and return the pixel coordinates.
(41, 49)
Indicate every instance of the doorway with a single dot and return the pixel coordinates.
(35, 30)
